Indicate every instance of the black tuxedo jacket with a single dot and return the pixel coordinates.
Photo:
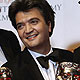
(76, 57)
(24, 67)
(9, 44)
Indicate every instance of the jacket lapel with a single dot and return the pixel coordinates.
(32, 66)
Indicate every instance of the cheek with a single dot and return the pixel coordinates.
(40, 27)
(43, 30)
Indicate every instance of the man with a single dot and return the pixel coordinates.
(34, 21)
(9, 46)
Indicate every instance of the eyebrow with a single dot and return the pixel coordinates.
(33, 19)
(28, 20)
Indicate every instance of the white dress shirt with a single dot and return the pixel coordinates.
(48, 74)
(2, 57)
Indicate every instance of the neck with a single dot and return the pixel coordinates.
(43, 49)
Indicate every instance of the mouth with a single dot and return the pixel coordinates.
(31, 37)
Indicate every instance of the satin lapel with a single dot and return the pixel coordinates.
(5, 45)
(32, 67)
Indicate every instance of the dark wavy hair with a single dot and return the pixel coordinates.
(24, 5)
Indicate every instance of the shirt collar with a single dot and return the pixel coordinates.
(38, 54)
(35, 55)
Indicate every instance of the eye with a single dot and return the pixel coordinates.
(20, 25)
(34, 21)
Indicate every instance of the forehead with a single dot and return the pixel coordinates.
(34, 12)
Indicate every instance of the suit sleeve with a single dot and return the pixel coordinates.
(14, 43)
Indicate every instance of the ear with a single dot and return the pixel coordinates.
(49, 26)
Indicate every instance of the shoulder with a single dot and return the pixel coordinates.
(76, 57)
(62, 50)
(63, 55)
(13, 63)
(19, 60)
(77, 50)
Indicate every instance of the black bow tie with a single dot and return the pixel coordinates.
(56, 56)
(44, 60)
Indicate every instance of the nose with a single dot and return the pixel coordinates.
(28, 28)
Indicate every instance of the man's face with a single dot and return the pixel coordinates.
(32, 28)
